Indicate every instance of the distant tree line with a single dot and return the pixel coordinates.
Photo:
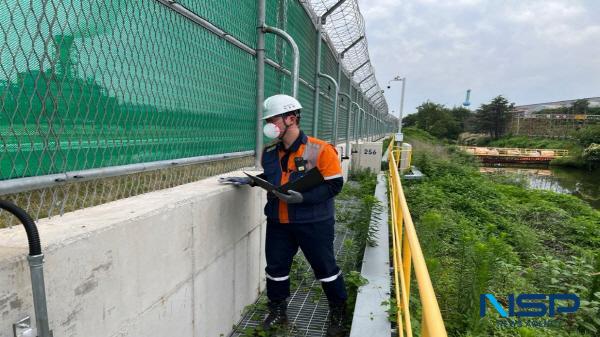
(579, 107)
(492, 119)
(448, 123)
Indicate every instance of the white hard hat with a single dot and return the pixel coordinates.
(280, 104)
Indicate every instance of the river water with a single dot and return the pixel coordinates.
(581, 183)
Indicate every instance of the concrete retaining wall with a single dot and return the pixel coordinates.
(178, 262)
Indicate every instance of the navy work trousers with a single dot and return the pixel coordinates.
(316, 241)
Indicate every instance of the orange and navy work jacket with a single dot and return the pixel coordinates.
(280, 166)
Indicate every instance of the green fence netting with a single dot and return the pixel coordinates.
(90, 84)
(87, 84)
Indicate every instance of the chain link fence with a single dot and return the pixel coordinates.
(91, 85)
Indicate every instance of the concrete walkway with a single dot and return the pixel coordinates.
(370, 316)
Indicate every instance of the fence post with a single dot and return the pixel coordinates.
(294, 46)
(335, 111)
(317, 80)
(260, 80)
(335, 102)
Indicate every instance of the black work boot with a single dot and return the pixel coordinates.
(337, 320)
(277, 317)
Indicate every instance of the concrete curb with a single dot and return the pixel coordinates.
(370, 316)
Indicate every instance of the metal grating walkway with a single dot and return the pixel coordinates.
(307, 306)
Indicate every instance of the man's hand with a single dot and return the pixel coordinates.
(238, 181)
(292, 197)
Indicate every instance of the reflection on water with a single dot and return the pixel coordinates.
(581, 183)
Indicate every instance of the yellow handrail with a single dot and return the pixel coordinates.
(407, 254)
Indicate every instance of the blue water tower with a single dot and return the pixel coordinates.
(466, 103)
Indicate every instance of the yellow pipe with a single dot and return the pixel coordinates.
(404, 281)
(432, 319)
(406, 263)
(403, 301)
(424, 332)
(431, 310)
(402, 313)
(395, 262)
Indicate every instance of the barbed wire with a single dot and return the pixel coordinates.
(345, 27)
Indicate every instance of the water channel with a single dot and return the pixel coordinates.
(581, 183)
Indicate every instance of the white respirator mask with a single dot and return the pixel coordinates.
(271, 130)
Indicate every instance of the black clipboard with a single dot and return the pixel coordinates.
(311, 179)
(261, 183)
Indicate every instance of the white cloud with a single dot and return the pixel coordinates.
(545, 12)
(530, 51)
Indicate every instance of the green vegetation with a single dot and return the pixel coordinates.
(588, 135)
(580, 107)
(589, 138)
(533, 142)
(414, 133)
(436, 122)
(448, 123)
(436, 119)
(493, 118)
(356, 216)
(582, 146)
(592, 154)
(488, 234)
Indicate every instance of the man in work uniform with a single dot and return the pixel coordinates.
(304, 220)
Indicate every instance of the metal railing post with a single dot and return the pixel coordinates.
(361, 117)
(294, 46)
(361, 123)
(260, 80)
(370, 125)
(335, 115)
(349, 109)
(371, 122)
(315, 127)
(356, 117)
(349, 121)
(335, 103)
(368, 122)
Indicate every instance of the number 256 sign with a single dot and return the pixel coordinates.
(370, 151)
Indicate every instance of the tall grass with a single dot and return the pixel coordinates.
(486, 235)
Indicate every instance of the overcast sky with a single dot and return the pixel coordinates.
(530, 51)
